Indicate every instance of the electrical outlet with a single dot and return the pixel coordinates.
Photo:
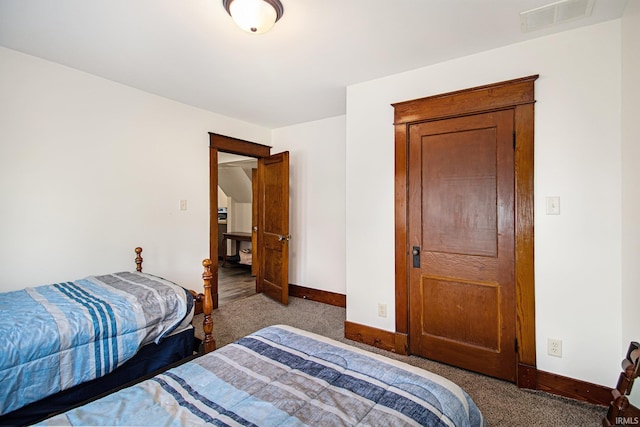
(382, 310)
(554, 347)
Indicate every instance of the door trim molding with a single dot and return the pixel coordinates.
(515, 94)
(225, 144)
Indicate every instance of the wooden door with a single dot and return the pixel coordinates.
(461, 235)
(273, 227)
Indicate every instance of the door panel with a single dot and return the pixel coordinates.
(459, 171)
(461, 216)
(273, 227)
(468, 311)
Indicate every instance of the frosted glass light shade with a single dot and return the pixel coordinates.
(254, 16)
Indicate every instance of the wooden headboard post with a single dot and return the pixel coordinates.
(138, 259)
(207, 307)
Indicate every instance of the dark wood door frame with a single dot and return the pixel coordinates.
(515, 94)
(228, 145)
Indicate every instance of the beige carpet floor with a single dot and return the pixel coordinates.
(502, 403)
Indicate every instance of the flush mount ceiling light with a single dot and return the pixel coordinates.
(254, 16)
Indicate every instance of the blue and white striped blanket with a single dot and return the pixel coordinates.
(54, 337)
(281, 376)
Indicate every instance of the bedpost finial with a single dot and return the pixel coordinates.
(138, 259)
(207, 274)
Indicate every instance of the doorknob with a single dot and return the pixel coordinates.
(284, 238)
(416, 256)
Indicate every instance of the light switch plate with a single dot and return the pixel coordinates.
(553, 205)
(382, 310)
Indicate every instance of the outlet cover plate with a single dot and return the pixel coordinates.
(554, 347)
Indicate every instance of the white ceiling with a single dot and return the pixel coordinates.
(191, 51)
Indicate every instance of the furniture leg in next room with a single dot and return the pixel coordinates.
(237, 236)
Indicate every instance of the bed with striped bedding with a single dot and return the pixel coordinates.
(282, 376)
(57, 336)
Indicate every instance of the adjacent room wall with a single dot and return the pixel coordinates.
(577, 157)
(90, 169)
(317, 196)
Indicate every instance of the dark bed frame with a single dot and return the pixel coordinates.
(621, 412)
(151, 359)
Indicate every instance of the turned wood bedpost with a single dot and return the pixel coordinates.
(207, 307)
(138, 259)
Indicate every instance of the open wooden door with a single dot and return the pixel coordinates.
(273, 227)
(255, 215)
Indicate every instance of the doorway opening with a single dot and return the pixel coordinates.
(236, 272)
(269, 233)
(224, 149)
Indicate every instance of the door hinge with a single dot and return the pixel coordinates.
(514, 139)
(515, 342)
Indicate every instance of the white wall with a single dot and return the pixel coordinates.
(317, 196)
(577, 157)
(630, 180)
(239, 216)
(89, 169)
